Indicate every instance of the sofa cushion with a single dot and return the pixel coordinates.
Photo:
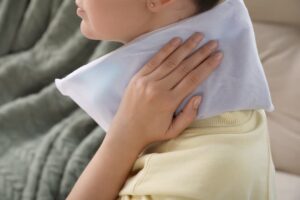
(279, 49)
(287, 186)
(279, 11)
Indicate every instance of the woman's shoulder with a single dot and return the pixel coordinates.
(229, 153)
(230, 122)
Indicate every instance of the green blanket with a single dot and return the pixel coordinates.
(46, 140)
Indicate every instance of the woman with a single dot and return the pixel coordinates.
(225, 143)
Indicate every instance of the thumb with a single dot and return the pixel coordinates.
(185, 118)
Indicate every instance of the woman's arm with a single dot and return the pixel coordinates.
(106, 173)
(146, 114)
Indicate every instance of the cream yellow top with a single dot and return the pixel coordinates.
(226, 157)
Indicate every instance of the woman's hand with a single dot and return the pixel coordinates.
(146, 112)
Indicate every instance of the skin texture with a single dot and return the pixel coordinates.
(159, 87)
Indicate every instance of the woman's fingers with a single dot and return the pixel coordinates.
(176, 57)
(188, 65)
(159, 57)
(197, 76)
(184, 118)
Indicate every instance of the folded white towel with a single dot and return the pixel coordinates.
(239, 83)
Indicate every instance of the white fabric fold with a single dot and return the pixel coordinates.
(239, 83)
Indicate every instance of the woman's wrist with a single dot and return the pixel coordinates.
(126, 140)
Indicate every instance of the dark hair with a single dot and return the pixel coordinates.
(205, 5)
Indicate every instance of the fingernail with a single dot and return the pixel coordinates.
(197, 102)
(176, 41)
(218, 55)
(198, 37)
(214, 44)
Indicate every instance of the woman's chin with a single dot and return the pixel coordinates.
(92, 34)
(85, 30)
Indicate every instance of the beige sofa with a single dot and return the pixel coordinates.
(277, 28)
